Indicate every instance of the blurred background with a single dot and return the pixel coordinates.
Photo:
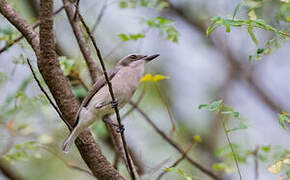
(200, 70)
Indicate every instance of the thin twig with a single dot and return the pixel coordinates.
(230, 144)
(256, 161)
(34, 26)
(131, 166)
(85, 50)
(178, 160)
(77, 5)
(99, 18)
(45, 93)
(174, 144)
(173, 126)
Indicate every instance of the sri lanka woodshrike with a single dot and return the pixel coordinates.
(124, 77)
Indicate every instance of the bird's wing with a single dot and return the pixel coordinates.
(94, 89)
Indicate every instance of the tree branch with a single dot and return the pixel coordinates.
(99, 18)
(174, 144)
(92, 66)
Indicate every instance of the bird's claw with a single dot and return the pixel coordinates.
(114, 103)
(120, 129)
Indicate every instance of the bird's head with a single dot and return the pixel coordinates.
(134, 59)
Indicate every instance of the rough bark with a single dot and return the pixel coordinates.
(53, 76)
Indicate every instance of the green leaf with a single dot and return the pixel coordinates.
(239, 127)
(136, 36)
(180, 172)
(66, 64)
(252, 35)
(168, 169)
(282, 120)
(211, 27)
(162, 5)
(237, 9)
(225, 150)
(266, 148)
(214, 106)
(22, 152)
(202, 106)
(260, 50)
(123, 4)
(228, 27)
(165, 26)
(144, 3)
(219, 166)
(133, 37)
(124, 37)
(229, 111)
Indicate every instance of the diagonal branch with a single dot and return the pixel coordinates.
(174, 144)
(99, 18)
(45, 93)
(92, 66)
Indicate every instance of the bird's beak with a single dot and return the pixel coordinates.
(150, 58)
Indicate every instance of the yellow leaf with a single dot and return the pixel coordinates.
(159, 77)
(285, 114)
(147, 77)
(197, 138)
(252, 15)
(276, 168)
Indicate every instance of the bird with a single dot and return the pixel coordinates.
(124, 77)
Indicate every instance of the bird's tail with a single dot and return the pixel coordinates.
(70, 140)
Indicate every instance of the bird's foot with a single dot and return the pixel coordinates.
(115, 103)
(121, 129)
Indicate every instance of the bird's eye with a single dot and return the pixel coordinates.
(133, 57)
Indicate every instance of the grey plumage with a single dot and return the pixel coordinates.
(124, 78)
